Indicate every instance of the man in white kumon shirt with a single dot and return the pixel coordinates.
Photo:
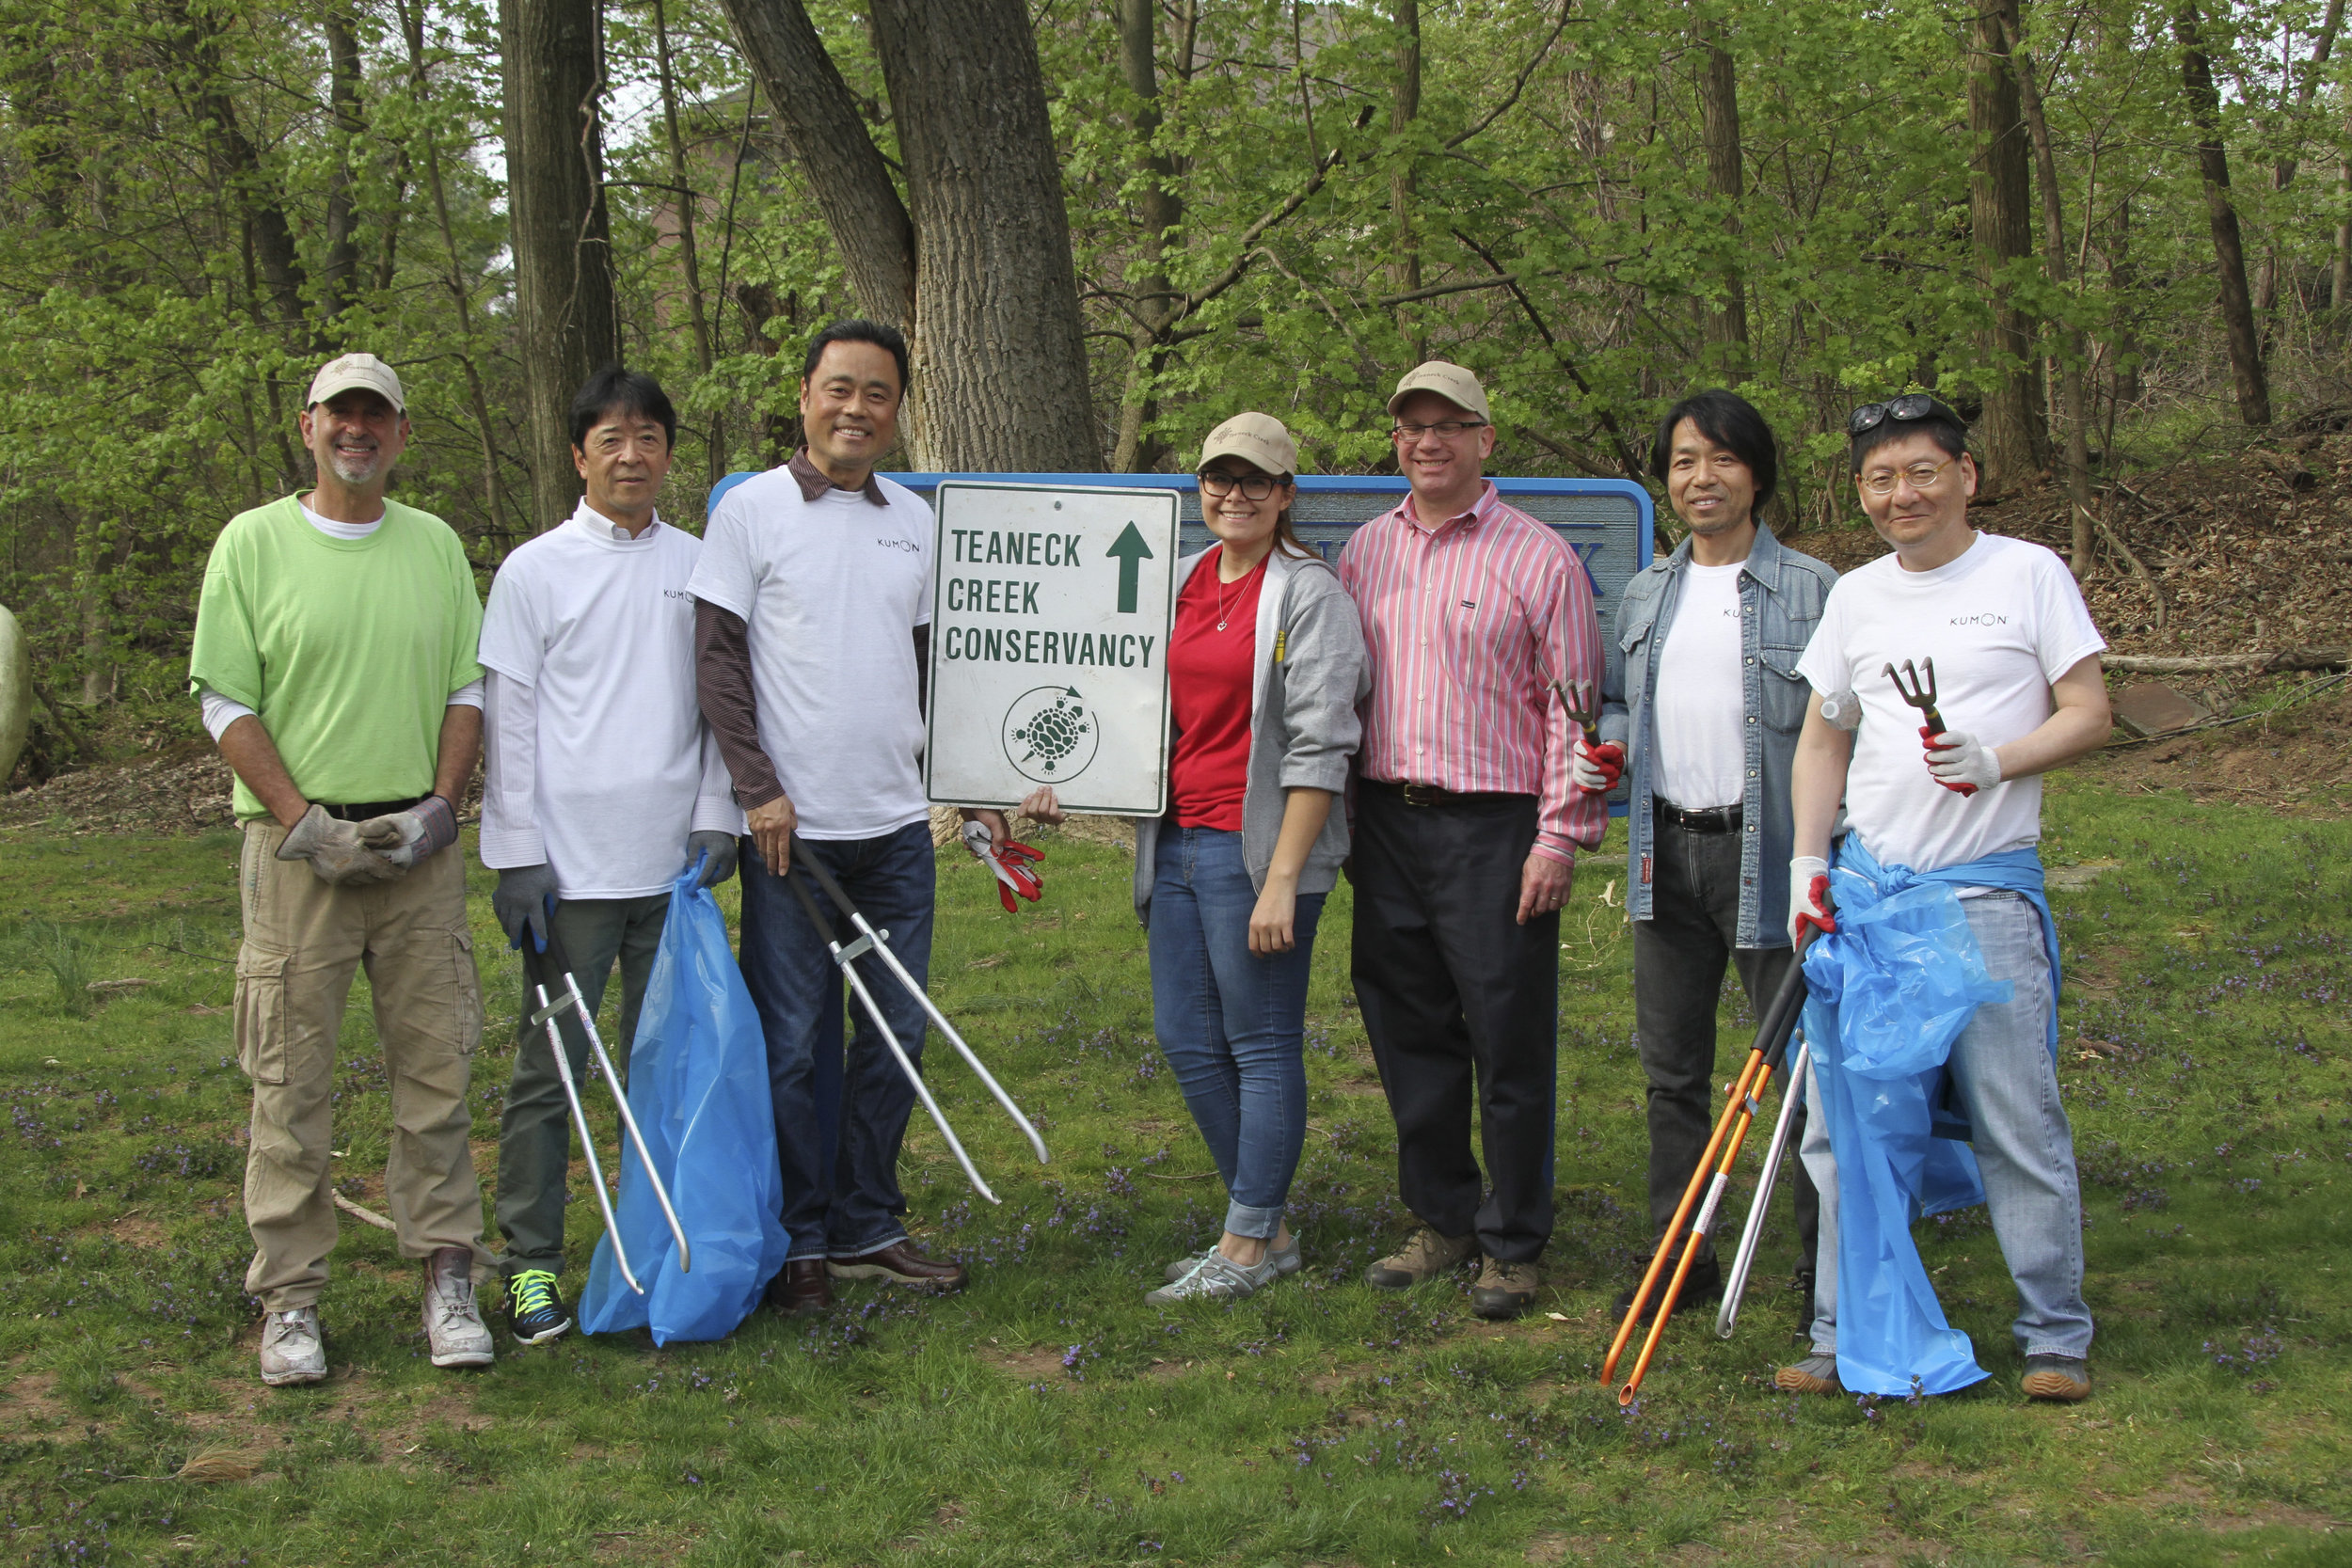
(602, 784)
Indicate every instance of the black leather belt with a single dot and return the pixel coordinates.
(1714, 819)
(1434, 795)
(361, 812)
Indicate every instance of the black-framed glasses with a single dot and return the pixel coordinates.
(1910, 405)
(1447, 429)
(1256, 487)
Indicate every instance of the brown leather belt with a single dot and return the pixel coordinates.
(1714, 819)
(1435, 795)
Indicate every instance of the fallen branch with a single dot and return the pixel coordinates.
(368, 1215)
(2209, 664)
(2115, 542)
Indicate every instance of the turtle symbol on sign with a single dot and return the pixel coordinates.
(1050, 737)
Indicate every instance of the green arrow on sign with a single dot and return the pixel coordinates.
(1130, 551)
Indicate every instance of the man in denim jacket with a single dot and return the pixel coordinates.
(1702, 695)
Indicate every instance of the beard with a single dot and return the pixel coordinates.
(356, 468)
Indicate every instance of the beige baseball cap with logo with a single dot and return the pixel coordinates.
(361, 372)
(1449, 381)
(1257, 439)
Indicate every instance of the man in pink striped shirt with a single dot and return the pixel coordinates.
(1466, 837)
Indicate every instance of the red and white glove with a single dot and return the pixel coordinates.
(1961, 762)
(1595, 769)
(1008, 862)
(1809, 899)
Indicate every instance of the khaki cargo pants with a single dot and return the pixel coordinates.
(303, 940)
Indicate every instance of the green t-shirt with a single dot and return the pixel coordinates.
(346, 649)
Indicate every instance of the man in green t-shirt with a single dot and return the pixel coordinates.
(335, 661)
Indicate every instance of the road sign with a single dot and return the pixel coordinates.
(1050, 612)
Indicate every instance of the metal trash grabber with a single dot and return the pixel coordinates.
(890, 960)
(1764, 1058)
(1736, 1286)
(569, 1000)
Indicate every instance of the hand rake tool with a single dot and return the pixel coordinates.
(552, 966)
(877, 943)
(1736, 1284)
(1919, 690)
(1711, 1177)
(1581, 702)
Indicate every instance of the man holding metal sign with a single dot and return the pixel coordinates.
(811, 635)
(1467, 830)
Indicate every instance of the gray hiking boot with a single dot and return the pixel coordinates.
(1286, 1261)
(1815, 1374)
(1426, 1255)
(2062, 1378)
(453, 1319)
(292, 1350)
(1216, 1278)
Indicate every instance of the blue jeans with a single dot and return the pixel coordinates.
(839, 1121)
(2001, 1067)
(1232, 1022)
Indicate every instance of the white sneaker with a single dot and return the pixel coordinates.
(1216, 1278)
(292, 1349)
(452, 1320)
(1286, 1260)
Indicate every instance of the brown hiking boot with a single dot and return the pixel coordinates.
(1426, 1256)
(2057, 1377)
(1505, 1289)
(1815, 1374)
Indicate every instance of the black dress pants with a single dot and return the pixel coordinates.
(1457, 995)
(1679, 953)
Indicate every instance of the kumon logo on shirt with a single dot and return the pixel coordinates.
(1981, 619)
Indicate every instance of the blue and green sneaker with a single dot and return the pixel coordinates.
(536, 1314)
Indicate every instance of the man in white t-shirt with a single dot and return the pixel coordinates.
(2020, 691)
(1702, 703)
(811, 625)
(601, 785)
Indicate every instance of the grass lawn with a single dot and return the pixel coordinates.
(1047, 1415)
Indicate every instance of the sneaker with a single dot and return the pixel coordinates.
(1215, 1277)
(2063, 1378)
(1286, 1261)
(1815, 1374)
(1426, 1255)
(292, 1349)
(535, 1312)
(1704, 1284)
(452, 1320)
(1505, 1289)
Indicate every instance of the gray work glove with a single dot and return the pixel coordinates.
(720, 848)
(521, 902)
(405, 837)
(334, 850)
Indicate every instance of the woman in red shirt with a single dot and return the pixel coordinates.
(1265, 667)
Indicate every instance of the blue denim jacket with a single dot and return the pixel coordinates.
(1781, 597)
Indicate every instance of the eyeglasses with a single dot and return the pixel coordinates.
(1919, 476)
(1445, 428)
(1256, 487)
(1910, 405)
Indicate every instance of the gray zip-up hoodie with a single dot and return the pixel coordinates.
(1309, 678)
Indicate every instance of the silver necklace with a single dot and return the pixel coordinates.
(1221, 611)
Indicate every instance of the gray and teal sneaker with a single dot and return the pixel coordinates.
(535, 1313)
(1286, 1260)
(1216, 1278)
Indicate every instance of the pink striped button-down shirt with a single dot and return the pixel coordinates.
(1465, 627)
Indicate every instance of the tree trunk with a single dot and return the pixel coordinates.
(551, 58)
(340, 276)
(2339, 271)
(1726, 324)
(1163, 210)
(2213, 159)
(2071, 345)
(2000, 214)
(1000, 356)
(847, 173)
(2282, 175)
(1405, 267)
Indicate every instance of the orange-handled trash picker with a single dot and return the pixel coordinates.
(1712, 1177)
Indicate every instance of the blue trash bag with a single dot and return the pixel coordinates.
(698, 1086)
(1888, 994)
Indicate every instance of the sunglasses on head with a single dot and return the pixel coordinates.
(1910, 405)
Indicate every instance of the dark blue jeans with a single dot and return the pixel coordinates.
(839, 1120)
(1232, 1022)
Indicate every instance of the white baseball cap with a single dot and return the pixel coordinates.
(1450, 381)
(1259, 439)
(356, 372)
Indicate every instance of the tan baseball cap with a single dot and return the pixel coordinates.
(355, 372)
(1449, 381)
(1257, 439)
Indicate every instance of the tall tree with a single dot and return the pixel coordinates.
(1403, 108)
(2247, 374)
(983, 235)
(1160, 210)
(1719, 128)
(551, 63)
(2000, 219)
